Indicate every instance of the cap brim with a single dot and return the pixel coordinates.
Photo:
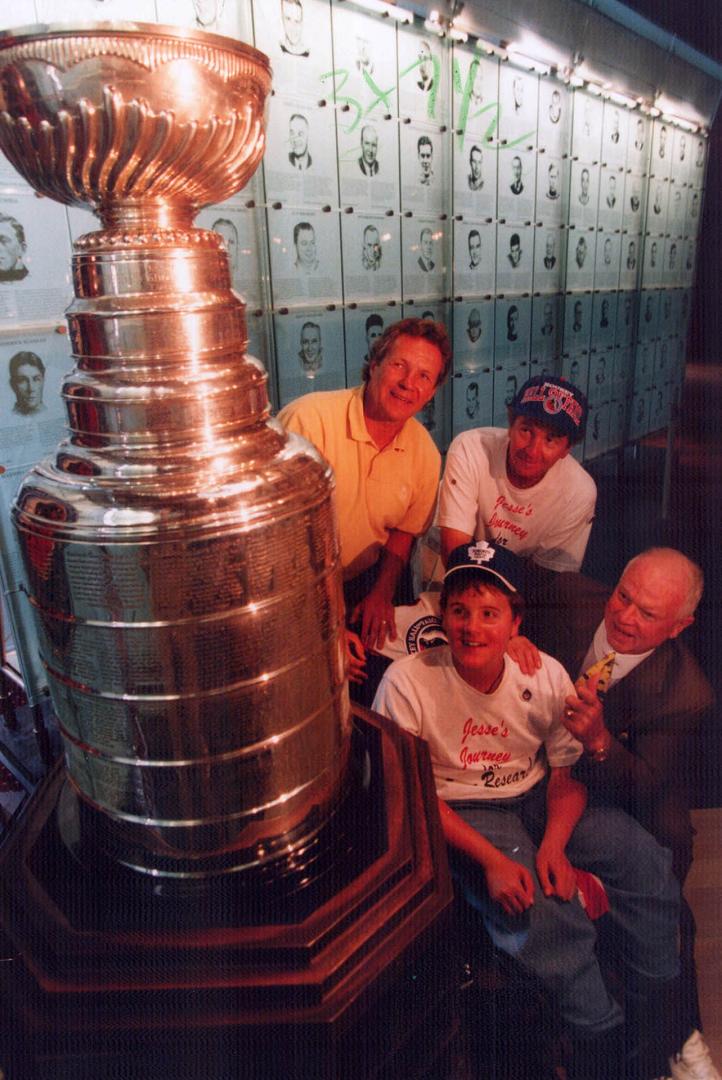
(482, 570)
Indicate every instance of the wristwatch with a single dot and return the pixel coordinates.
(602, 752)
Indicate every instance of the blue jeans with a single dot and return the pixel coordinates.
(554, 939)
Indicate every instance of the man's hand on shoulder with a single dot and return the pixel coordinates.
(524, 653)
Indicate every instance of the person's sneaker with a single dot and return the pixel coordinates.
(694, 1061)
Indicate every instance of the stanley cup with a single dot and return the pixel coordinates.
(180, 548)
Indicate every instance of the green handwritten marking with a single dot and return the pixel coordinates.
(431, 104)
(344, 99)
(381, 96)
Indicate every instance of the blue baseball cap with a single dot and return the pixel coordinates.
(555, 402)
(496, 562)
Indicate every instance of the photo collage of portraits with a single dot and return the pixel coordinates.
(548, 229)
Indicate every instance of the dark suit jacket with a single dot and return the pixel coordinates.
(653, 714)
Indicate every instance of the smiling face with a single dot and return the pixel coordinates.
(404, 381)
(479, 623)
(644, 609)
(533, 449)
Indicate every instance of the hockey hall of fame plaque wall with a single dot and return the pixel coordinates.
(550, 230)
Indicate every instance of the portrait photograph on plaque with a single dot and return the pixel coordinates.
(552, 186)
(584, 194)
(368, 165)
(299, 164)
(648, 327)
(622, 372)
(472, 400)
(475, 258)
(657, 207)
(216, 16)
(638, 143)
(32, 414)
(244, 235)
(516, 185)
(546, 328)
(626, 325)
(296, 37)
(597, 435)
(422, 76)
(614, 134)
(508, 378)
(310, 351)
(424, 257)
(365, 73)
(555, 114)
(611, 199)
(686, 276)
(474, 91)
(682, 155)
(676, 209)
(601, 370)
(606, 271)
(305, 257)
(475, 165)
(362, 328)
(473, 336)
(424, 168)
(587, 128)
(371, 245)
(604, 319)
(692, 211)
(672, 261)
(549, 253)
(635, 193)
(631, 261)
(35, 280)
(514, 258)
(518, 106)
(575, 368)
(660, 163)
(696, 177)
(653, 260)
(434, 417)
(581, 253)
(577, 323)
(512, 332)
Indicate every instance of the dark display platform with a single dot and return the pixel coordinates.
(337, 967)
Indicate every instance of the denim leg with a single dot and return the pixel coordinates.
(642, 890)
(559, 944)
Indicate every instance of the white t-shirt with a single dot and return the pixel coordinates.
(549, 522)
(418, 627)
(483, 746)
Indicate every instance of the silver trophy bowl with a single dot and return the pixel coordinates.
(180, 548)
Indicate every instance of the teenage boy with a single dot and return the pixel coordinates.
(519, 488)
(516, 821)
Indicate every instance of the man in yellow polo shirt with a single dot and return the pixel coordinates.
(386, 465)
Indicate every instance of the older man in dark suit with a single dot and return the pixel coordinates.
(638, 742)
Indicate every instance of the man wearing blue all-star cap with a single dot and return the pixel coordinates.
(520, 488)
(516, 821)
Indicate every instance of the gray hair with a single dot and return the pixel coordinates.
(685, 567)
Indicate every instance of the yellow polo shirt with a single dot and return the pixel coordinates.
(376, 490)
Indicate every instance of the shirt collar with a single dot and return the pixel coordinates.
(623, 662)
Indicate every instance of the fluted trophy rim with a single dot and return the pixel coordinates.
(130, 28)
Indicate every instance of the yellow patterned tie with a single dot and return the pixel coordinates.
(603, 668)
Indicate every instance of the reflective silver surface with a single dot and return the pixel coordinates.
(181, 548)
